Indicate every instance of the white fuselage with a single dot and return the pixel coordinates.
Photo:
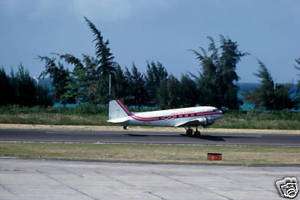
(175, 117)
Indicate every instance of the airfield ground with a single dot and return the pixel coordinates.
(40, 162)
(245, 147)
(147, 153)
(40, 179)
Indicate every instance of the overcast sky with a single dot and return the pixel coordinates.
(145, 30)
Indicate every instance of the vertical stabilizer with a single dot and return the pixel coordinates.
(117, 110)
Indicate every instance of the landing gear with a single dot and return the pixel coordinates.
(197, 133)
(191, 133)
(125, 127)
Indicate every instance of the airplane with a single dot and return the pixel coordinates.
(182, 117)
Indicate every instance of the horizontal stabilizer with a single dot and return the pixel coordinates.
(118, 120)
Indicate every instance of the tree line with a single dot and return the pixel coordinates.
(86, 80)
(19, 88)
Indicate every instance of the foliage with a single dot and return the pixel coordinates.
(156, 73)
(169, 93)
(6, 88)
(60, 79)
(188, 91)
(88, 81)
(84, 80)
(297, 66)
(136, 86)
(20, 88)
(106, 64)
(217, 82)
(270, 95)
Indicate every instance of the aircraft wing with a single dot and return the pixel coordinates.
(194, 122)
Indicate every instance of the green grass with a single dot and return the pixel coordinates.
(94, 115)
(260, 120)
(234, 154)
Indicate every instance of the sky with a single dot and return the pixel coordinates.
(160, 30)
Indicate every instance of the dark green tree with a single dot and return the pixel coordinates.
(92, 77)
(227, 80)
(207, 80)
(120, 84)
(106, 64)
(43, 96)
(218, 78)
(156, 73)
(169, 93)
(297, 66)
(269, 95)
(136, 86)
(25, 87)
(60, 78)
(77, 86)
(6, 89)
(188, 91)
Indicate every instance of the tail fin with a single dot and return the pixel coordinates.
(117, 110)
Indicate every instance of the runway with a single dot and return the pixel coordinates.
(147, 137)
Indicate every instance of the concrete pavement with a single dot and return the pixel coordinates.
(40, 179)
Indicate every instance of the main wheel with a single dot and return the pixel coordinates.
(189, 132)
(197, 133)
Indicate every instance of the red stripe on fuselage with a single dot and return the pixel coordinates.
(176, 116)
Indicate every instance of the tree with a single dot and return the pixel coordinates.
(77, 86)
(230, 57)
(270, 95)
(121, 85)
(297, 66)
(6, 88)
(264, 95)
(169, 93)
(106, 64)
(60, 79)
(188, 91)
(218, 78)
(136, 86)
(25, 87)
(43, 96)
(156, 73)
(88, 81)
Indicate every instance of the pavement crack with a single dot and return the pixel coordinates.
(71, 172)
(66, 185)
(234, 181)
(193, 185)
(116, 179)
(129, 185)
(155, 195)
(7, 189)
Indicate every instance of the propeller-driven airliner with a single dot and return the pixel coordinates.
(188, 118)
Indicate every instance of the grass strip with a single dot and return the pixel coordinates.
(234, 120)
(232, 154)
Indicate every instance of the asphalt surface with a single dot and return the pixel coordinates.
(51, 180)
(146, 137)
